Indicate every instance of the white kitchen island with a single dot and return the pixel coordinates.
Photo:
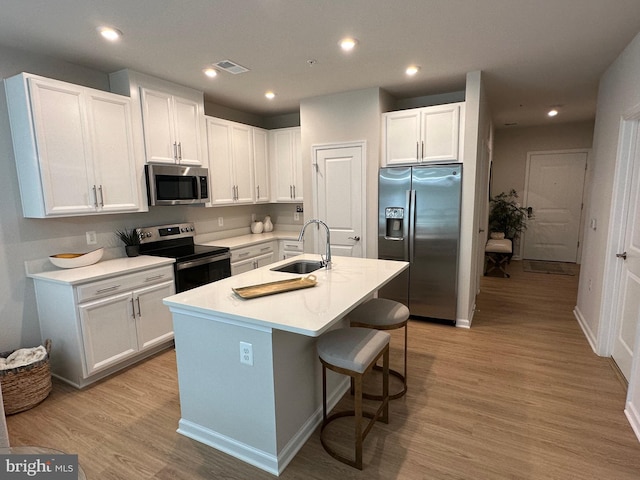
(263, 413)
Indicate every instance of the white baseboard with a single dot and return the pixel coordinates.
(591, 338)
(634, 419)
(269, 462)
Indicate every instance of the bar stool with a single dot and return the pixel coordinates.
(384, 314)
(354, 352)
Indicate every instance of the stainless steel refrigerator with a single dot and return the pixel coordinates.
(419, 222)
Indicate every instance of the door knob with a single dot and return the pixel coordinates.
(622, 255)
(357, 239)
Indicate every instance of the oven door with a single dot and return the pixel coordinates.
(194, 273)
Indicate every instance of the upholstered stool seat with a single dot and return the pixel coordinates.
(384, 314)
(354, 352)
(498, 254)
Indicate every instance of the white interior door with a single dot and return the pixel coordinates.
(628, 303)
(554, 186)
(338, 172)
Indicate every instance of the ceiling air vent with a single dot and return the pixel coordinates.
(231, 67)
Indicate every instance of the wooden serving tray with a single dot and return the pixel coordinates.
(271, 288)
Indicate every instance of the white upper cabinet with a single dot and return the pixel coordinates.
(261, 165)
(171, 127)
(73, 147)
(423, 135)
(286, 164)
(230, 148)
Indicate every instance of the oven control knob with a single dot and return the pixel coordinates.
(148, 234)
(191, 229)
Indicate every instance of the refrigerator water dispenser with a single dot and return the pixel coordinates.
(395, 222)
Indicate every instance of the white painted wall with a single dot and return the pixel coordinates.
(345, 117)
(618, 91)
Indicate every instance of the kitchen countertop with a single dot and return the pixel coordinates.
(250, 239)
(103, 269)
(309, 311)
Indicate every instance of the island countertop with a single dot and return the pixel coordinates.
(309, 311)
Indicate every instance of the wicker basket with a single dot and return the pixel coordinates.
(25, 387)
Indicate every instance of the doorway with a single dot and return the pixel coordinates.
(554, 187)
(339, 190)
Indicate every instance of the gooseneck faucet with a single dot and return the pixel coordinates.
(326, 262)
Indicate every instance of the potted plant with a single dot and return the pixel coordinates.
(506, 215)
(131, 240)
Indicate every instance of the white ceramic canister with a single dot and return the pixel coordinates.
(257, 227)
(268, 225)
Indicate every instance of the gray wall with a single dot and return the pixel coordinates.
(511, 145)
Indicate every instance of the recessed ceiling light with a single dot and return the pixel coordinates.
(110, 33)
(412, 70)
(553, 112)
(348, 44)
(210, 72)
(270, 95)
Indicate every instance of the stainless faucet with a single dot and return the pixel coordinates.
(326, 262)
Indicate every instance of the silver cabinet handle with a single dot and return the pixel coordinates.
(258, 191)
(95, 197)
(101, 196)
(290, 191)
(180, 151)
(622, 255)
(138, 302)
(244, 254)
(133, 310)
(155, 277)
(175, 151)
(294, 191)
(356, 238)
(108, 289)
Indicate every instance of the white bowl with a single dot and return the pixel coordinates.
(74, 260)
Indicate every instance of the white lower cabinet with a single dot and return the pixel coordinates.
(120, 326)
(102, 326)
(290, 248)
(255, 256)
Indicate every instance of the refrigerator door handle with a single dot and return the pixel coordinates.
(411, 200)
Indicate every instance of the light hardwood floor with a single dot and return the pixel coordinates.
(520, 395)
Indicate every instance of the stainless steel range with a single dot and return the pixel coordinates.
(195, 265)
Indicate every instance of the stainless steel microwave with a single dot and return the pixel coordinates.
(177, 184)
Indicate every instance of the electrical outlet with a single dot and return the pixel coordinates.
(246, 353)
(296, 216)
(220, 222)
(91, 238)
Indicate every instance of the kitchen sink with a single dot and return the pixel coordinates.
(300, 266)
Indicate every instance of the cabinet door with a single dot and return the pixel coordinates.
(108, 331)
(116, 180)
(242, 144)
(64, 149)
(243, 266)
(220, 158)
(266, 259)
(187, 131)
(401, 137)
(261, 165)
(158, 123)
(440, 126)
(296, 159)
(281, 145)
(155, 322)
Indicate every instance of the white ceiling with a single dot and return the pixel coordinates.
(534, 53)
